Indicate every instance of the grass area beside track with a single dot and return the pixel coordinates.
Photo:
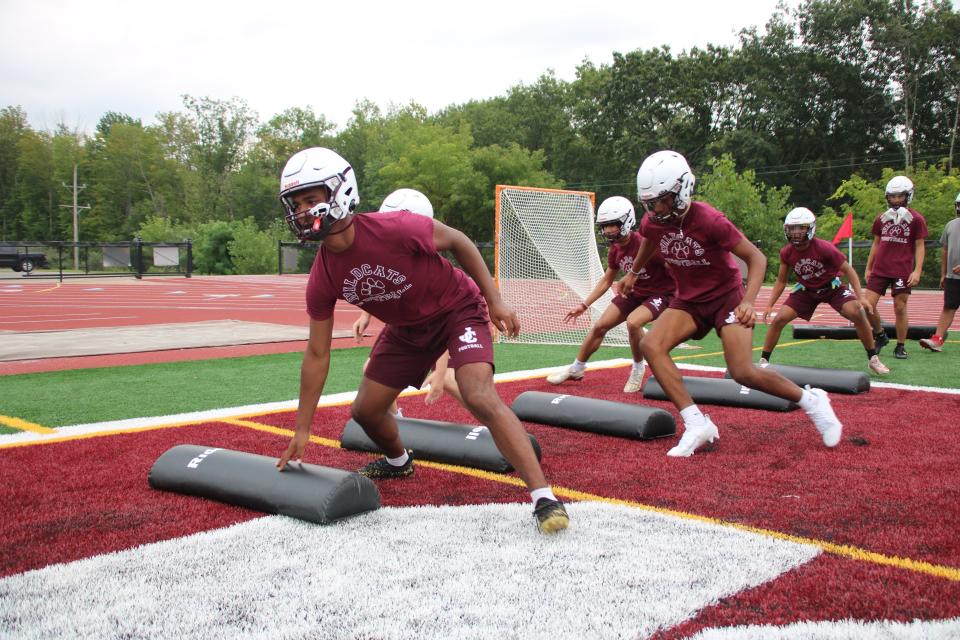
(61, 398)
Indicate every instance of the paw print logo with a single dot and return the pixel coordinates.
(680, 250)
(371, 287)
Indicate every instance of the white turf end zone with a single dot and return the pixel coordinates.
(426, 572)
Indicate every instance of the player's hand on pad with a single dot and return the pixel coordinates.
(294, 450)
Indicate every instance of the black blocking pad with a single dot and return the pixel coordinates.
(305, 491)
(914, 332)
(633, 421)
(721, 391)
(832, 380)
(447, 442)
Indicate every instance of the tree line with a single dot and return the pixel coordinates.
(816, 109)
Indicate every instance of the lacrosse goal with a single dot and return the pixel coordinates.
(546, 261)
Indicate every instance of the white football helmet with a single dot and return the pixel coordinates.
(663, 173)
(316, 167)
(800, 226)
(407, 200)
(899, 185)
(616, 210)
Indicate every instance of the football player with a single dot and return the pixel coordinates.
(817, 265)
(390, 265)
(699, 242)
(651, 294)
(895, 260)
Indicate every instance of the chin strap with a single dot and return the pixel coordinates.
(334, 233)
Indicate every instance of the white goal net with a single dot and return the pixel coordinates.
(547, 262)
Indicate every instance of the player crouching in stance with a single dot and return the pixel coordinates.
(650, 296)
(696, 241)
(390, 265)
(817, 265)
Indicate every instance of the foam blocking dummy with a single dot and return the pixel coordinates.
(633, 421)
(305, 491)
(460, 444)
(721, 391)
(917, 332)
(832, 380)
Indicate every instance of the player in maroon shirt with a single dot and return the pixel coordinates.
(895, 260)
(698, 242)
(816, 264)
(650, 296)
(390, 265)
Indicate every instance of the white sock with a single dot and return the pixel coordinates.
(578, 366)
(808, 400)
(692, 416)
(545, 492)
(639, 365)
(399, 461)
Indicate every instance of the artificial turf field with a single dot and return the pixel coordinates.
(767, 534)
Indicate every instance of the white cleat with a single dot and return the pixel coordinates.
(878, 367)
(635, 381)
(565, 374)
(763, 363)
(694, 438)
(825, 419)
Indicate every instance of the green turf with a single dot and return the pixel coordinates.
(92, 395)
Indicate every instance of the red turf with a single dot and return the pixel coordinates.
(890, 487)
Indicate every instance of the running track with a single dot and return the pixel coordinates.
(43, 305)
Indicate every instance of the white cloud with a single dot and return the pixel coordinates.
(71, 62)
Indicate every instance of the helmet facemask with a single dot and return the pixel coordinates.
(798, 234)
(673, 215)
(897, 200)
(321, 216)
(622, 230)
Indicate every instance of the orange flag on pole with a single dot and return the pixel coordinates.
(845, 230)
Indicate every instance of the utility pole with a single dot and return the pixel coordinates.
(76, 213)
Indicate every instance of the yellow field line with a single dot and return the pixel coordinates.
(844, 551)
(23, 425)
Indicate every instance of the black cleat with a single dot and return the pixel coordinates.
(551, 515)
(900, 352)
(881, 340)
(383, 470)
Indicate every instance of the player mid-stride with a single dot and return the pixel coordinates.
(651, 294)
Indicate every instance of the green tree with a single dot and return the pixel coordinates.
(757, 209)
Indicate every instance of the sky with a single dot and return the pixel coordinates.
(69, 61)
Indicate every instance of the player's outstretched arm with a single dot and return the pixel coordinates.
(501, 314)
(870, 257)
(603, 284)
(360, 325)
(778, 288)
(851, 275)
(756, 267)
(313, 375)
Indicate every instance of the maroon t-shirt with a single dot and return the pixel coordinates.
(698, 252)
(816, 266)
(654, 278)
(392, 270)
(894, 257)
